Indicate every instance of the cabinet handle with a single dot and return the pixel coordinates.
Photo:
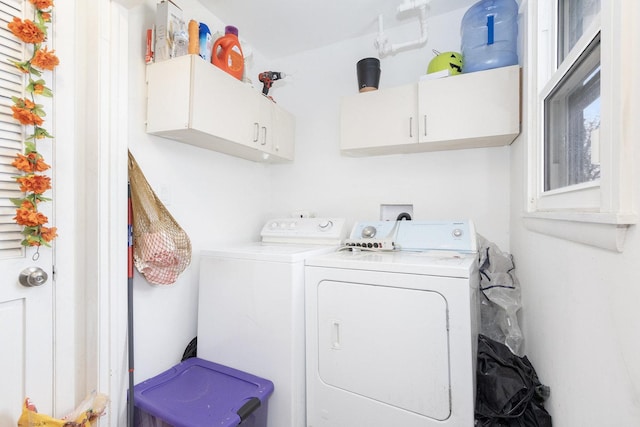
(410, 127)
(264, 139)
(256, 133)
(425, 125)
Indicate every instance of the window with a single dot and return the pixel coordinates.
(11, 132)
(579, 177)
(572, 125)
(574, 18)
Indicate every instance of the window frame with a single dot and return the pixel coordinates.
(598, 212)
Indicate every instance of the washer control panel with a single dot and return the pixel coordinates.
(329, 231)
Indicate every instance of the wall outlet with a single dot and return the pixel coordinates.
(396, 212)
(303, 214)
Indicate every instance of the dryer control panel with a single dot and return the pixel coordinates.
(416, 236)
(324, 231)
(374, 235)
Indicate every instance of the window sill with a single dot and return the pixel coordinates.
(602, 230)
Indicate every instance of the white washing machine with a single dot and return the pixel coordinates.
(391, 335)
(251, 308)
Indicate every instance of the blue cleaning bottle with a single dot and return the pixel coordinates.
(206, 42)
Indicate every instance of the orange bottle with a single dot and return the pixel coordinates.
(227, 53)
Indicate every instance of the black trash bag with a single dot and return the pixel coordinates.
(509, 393)
(191, 350)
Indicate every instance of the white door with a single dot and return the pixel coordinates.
(26, 313)
(26, 336)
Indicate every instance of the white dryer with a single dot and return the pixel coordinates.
(391, 335)
(251, 308)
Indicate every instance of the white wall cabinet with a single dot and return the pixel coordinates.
(379, 120)
(480, 109)
(192, 101)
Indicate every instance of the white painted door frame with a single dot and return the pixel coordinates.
(91, 201)
(107, 353)
(68, 356)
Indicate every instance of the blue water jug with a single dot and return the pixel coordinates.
(489, 35)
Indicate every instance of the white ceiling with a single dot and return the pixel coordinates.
(279, 28)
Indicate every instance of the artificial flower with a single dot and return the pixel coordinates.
(42, 4)
(45, 59)
(37, 184)
(26, 117)
(32, 237)
(27, 31)
(30, 163)
(37, 87)
(48, 234)
(24, 103)
(31, 240)
(30, 218)
(27, 205)
(24, 66)
(27, 112)
(40, 133)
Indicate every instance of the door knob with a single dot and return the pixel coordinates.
(33, 276)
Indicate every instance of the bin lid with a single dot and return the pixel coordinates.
(198, 392)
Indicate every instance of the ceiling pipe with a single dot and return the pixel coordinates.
(382, 42)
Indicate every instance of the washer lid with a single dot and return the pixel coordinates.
(433, 263)
(274, 252)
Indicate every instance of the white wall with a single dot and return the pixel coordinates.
(580, 314)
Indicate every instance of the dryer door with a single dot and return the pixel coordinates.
(386, 343)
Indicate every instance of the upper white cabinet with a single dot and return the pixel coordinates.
(480, 109)
(380, 119)
(193, 101)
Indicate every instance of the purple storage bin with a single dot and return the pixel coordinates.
(198, 393)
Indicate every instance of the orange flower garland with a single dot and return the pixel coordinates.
(26, 111)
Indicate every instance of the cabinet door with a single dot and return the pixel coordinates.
(168, 95)
(467, 110)
(374, 121)
(283, 133)
(222, 105)
(261, 121)
(273, 131)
